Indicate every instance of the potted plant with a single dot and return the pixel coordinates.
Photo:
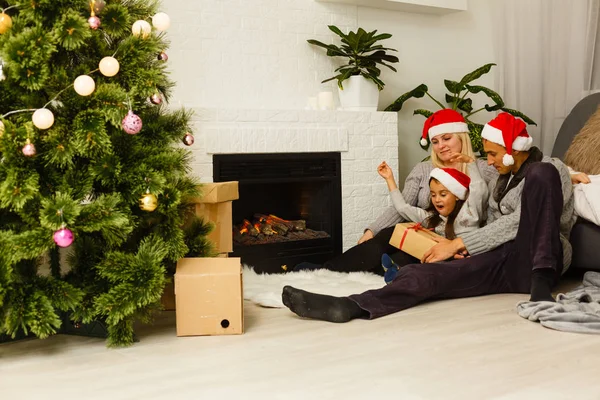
(359, 79)
(458, 99)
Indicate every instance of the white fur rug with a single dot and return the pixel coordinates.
(265, 289)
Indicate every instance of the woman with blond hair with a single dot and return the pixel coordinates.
(448, 133)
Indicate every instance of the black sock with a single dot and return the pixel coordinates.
(542, 281)
(319, 306)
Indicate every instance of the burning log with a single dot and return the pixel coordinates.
(265, 229)
(247, 228)
(298, 225)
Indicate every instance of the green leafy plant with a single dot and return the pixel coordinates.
(458, 100)
(363, 55)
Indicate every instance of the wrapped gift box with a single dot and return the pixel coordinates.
(413, 239)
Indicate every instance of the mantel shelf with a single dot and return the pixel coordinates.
(438, 7)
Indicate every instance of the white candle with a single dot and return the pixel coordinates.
(325, 100)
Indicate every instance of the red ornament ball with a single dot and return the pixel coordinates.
(188, 139)
(94, 22)
(163, 56)
(132, 123)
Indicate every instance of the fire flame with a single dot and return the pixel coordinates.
(245, 226)
(259, 224)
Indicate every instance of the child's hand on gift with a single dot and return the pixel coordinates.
(460, 158)
(385, 171)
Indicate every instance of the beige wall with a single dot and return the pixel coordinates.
(252, 54)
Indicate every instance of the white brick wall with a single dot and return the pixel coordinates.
(252, 53)
(364, 139)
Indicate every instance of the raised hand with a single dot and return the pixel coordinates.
(385, 171)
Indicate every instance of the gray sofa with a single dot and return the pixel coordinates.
(585, 236)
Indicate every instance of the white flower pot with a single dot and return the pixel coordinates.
(359, 94)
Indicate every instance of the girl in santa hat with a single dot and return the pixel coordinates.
(457, 203)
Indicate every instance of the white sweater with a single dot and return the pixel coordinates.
(471, 215)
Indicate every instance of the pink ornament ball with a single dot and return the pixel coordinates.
(163, 56)
(29, 150)
(132, 124)
(155, 99)
(94, 22)
(63, 237)
(188, 139)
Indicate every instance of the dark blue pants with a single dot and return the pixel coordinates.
(506, 269)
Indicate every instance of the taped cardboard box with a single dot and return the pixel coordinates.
(413, 239)
(220, 215)
(168, 297)
(209, 297)
(219, 192)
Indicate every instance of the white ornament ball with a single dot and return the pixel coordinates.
(43, 118)
(109, 66)
(161, 21)
(141, 28)
(84, 85)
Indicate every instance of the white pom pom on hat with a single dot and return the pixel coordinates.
(508, 160)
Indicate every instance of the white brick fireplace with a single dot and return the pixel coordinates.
(364, 139)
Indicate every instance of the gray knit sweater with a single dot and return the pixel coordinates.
(416, 192)
(503, 219)
(471, 216)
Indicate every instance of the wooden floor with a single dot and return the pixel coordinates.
(476, 348)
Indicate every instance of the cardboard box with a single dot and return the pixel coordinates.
(168, 297)
(209, 296)
(220, 215)
(413, 241)
(219, 192)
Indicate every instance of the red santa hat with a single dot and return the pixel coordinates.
(442, 122)
(455, 181)
(509, 132)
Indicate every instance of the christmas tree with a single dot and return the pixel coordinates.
(91, 162)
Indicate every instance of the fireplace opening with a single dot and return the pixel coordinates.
(289, 208)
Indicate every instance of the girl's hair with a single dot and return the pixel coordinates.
(467, 149)
(435, 218)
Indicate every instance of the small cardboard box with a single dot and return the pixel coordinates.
(219, 192)
(220, 214)
(168, 297)
(209, 296)
(413, 241)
